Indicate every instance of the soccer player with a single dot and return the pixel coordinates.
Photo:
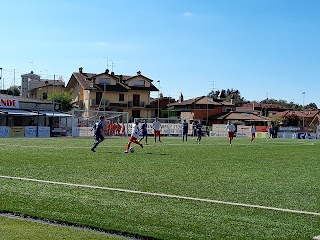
(231, 130)
(271, 132)
(134, 136)
(156, 125)
(123, 129)
(144, 130)
(185, 126)
(253, 133)
(98, 133)
(199, 132)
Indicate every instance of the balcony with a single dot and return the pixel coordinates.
(94, 102)
(136, 104)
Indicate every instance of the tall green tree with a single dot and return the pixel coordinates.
(291, 120)
(13, 90)
(289, 105)
(228, 95)
(63, 99)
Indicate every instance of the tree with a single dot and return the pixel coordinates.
(13, 90)
(63, 99)
(289, 105)
(291, 120)
(311, 106)
(228, 95)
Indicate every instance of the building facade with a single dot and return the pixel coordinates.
(110, 92)
(33, 86)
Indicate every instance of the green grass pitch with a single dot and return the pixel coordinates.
(281, 174)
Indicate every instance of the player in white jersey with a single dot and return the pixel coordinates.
(253, 133)
(231, 130)
(134, 136)
(156, 125)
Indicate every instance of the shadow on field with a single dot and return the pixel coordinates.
(140, 153)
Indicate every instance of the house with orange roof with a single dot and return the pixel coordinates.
(110, 92)
(261, 109)
(201, 108)
(307, 118)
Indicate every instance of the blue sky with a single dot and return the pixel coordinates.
(263, 48)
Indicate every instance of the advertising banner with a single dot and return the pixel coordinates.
(17, 132)
(9, 103)
(44, 132)
(4, 132)
(30, 131)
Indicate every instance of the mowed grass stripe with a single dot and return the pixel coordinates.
(164, 195)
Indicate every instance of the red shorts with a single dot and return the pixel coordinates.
(230, 134)
(132, 139)
(156, 133)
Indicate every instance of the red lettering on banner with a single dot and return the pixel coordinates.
(8, 102)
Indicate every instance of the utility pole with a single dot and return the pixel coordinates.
(210, 83)
(1, 77)
(158, 98)
(303, 95)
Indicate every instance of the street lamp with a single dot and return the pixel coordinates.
(303, 95)
(158, 98)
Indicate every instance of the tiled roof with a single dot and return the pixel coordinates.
(238, 116)
(84, 80)
(203, 100)
(302, 113)
(22, 99)
(262, 105)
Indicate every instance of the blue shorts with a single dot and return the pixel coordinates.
(99, 137)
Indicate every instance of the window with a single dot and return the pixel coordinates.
(104, 81)
(121, 97)
(138, 83)
(98, 97)
(136, 100)
(44, 96)
(136, 113)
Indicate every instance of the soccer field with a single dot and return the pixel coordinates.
(168, 190)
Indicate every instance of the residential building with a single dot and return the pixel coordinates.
(160, 104)
(261, 109)
(31, 81)
(244, 117)
(201, 108)
(307, 118)
(42, 93)
(110, 92)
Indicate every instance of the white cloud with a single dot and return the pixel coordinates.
(188, 14)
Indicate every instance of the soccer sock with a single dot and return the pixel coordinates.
(95, 144)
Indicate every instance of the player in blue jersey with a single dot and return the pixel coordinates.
(98, 133)
(199, 132)
(144, 131)
(185, 127)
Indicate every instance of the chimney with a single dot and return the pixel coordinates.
(112, 73)
(80, 69)
(139, 73)
(107, 71)
(120, 78)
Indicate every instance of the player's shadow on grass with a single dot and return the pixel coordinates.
(140, 153)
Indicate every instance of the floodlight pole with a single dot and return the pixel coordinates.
(158, 98)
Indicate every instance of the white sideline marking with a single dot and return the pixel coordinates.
(164, 195)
